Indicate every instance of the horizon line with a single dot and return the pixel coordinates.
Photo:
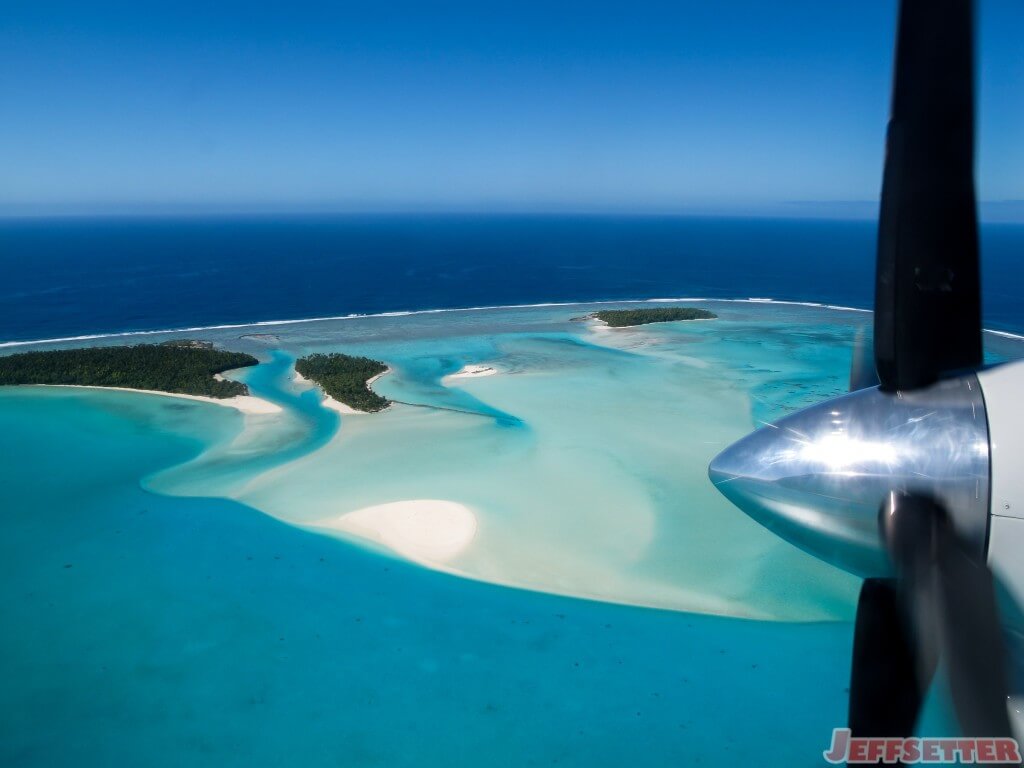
(989, 211)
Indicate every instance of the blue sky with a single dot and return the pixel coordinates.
(681, 106)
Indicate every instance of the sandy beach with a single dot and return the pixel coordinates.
(429, 531)
(334, 405)
(245, 403)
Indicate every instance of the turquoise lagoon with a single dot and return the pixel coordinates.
(174, 592)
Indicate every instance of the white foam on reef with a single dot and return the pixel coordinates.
(1005, 334)
(410, 312)
(758, 300)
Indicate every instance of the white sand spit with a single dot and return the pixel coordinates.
(243, 403)
(425, 530)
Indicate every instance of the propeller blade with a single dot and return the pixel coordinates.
(862, 366)
(927, 292)
(973, 642)
(948, 595)
(885, 691)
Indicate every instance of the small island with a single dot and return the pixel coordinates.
(624, 318)
(182, 366)
(345, 379)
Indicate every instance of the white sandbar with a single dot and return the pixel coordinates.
(471, 372)
(424, 530)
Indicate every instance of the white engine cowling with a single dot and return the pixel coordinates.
(1003, 390)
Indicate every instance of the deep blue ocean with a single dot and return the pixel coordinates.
(74, 276)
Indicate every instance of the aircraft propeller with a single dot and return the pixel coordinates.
(912, 436)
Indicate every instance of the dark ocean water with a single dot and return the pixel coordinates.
(68, 277)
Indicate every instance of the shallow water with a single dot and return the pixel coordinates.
(151, 622)
(584, 460)
(143, 629)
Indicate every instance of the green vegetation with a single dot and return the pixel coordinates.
(621, 318)
(188, 343)
(182, 367)
(345, 378)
